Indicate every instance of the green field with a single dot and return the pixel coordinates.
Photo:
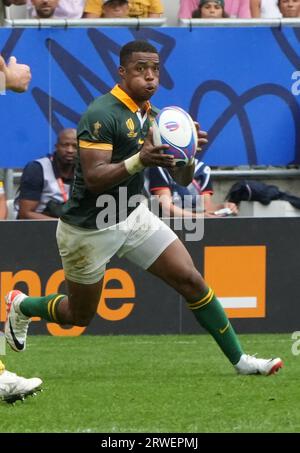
(118, 384)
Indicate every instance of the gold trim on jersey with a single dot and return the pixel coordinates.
(92, 145)
(123, 97)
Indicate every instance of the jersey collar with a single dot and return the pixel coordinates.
(125, 99)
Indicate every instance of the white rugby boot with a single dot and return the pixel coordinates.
(14, 387)
(16, 324)
(249, 364)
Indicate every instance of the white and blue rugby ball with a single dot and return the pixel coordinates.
(174, 126)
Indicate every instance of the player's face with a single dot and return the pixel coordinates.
(140, 76)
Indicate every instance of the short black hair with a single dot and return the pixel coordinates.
(135, 46)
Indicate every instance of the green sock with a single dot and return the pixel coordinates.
(211, 315)
(45, 307)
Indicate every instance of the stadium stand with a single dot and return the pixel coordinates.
(171, 18)
(171, 12)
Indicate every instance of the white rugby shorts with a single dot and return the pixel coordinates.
(141, 238)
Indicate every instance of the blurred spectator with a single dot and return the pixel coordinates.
(238, 8)
(265, 9)
(210, 9)
(66, 9)
(234, 8)
(44, 9)
(137, 8)
(289, 8)
(4, 3)
(186, 8)
(3, 208)
(115, 9)
(179, 201)
(45, 183)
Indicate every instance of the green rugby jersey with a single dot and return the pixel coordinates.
(112, 122)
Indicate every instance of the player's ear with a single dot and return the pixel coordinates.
(122, 71)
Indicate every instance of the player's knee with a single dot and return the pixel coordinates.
(189, 281)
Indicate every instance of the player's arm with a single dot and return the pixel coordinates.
(100, 174)
(17, 76)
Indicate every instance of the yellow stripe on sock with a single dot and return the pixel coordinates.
(51, 306)
(202, 302)
(201, 305)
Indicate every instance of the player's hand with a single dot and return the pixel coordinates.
(153, 156)
(17, 76)
(202, 137)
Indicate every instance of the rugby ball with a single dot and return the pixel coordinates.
(174, 126)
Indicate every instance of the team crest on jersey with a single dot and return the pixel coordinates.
(130, 126)
(97, 127)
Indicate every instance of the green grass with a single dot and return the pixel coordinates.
(152, 384)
